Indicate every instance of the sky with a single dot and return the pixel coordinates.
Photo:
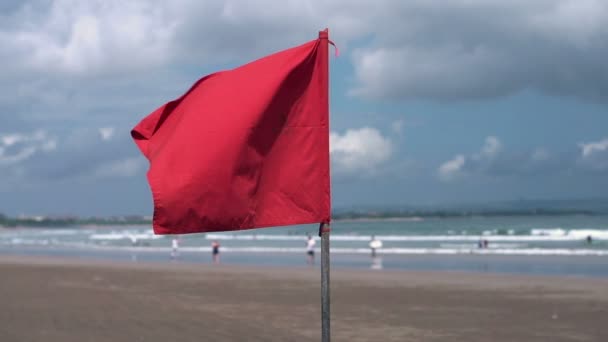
(432, 102)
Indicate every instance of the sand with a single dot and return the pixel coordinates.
(70, 300)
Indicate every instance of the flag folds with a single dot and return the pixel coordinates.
(243, 148)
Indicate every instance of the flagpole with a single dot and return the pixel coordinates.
(325, 300)
(324, 228)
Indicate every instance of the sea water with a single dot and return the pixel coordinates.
(573, 245)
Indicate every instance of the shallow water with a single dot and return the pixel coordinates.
(537, 244)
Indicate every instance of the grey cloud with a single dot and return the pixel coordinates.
(450, 50)
(82, 155)
(441, 50)
(101, 37)
(65, 103)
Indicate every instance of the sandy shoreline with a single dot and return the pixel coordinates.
(52, 299)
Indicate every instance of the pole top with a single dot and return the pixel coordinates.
(324, 34)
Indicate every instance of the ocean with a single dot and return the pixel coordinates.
(564, 245)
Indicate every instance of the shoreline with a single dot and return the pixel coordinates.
(452, 277)
(560, 265)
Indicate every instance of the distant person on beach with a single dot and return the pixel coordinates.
(589, 239)
(375, 244)
(174, 248)
(215, 251)
(310, 250)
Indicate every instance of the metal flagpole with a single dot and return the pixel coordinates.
(325, 317)
(324, 226)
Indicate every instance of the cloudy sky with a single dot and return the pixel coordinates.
(432, 101)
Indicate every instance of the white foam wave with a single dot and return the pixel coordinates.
(20, 241)
(420, 251)
(491, 246)
(572, 235)
(456, 250)
(60, 231)
(549, 232)
(125, 236)
(496, 232)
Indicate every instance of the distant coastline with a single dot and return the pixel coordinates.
(376, 219)
(344, 216)
(421, 215)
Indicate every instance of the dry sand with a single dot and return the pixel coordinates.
(69, 300)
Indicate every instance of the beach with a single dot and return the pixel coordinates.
(66, 299)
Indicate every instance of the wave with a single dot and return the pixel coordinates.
(491, 246)
(61, 231)
(536, 234)
(572, 235)
(424, 251)
(334, 250)
(125, 236)
(575, 233)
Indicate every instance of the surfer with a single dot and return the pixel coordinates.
(174, 248)
(310, 250)
(374, 245)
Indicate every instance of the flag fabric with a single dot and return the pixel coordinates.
(244, 148)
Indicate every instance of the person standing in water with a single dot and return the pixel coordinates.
(310, 250)
(174, 248)
(374, 245)
(215, 251)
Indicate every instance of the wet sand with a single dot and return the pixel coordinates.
(57, 299)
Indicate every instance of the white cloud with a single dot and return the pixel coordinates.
(489, 151)
(588, 149)
(594, 155)
(90, 36)
(492, 162)
(490, 148)
(11, 139)
(18, 156)
(106, 133)
(18, 147)
(451, 168)
(361, 149)
(109, 36)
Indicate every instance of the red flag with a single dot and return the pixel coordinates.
(243, 148)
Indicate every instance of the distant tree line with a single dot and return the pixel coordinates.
(459, 213)
(50, 222)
